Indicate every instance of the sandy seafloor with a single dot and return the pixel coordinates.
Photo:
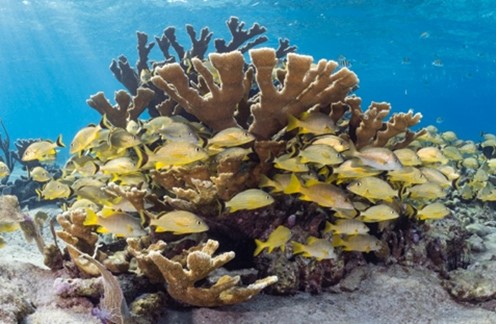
(392, 294)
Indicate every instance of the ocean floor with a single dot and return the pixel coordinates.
(370, 294)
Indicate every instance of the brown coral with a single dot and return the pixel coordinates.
(127, 108)
(304, 87)
(199, 264)
(216, 108)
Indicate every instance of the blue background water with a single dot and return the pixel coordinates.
(55, 54)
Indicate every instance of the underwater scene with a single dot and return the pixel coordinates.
(197, 161)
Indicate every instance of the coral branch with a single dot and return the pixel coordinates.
(239, 36)
(304, 87)
(216, 108)
(284, 49)
(199, 46)
(127, 108)
(199, 264)
(143, 51)
(125, 74)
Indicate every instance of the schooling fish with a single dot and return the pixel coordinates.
(277, 239)
(435, 210)
(4, 170)
(178, 222)
(379, 158)
(233, 136)
(359, 243)
(312, 123)
(378, 213)
(432, 154)
(84, 139)
(39, 174)
(333, 141)
(42, 150)
(407, 157)
(115, 222)
(347, 227)
(319, 249)
(373, 189)
(249, 199)
(320, 154)
(54, 189)
(288, 163)
(176, 154)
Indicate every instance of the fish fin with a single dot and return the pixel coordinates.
(59, 141)
(298, 247)
(39, 194)
(260, 247)
(104, 123)
(351, 152)
(91, 218)
(294, 185)
(311, 239)
(404, 193)
(141, 157)
(337, 241)
(410, 211)
(329, 227)
(457, 183)
(293, 123)
(102, 230)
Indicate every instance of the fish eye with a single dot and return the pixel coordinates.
(267, 197)
(358, 183)
(197, 149)
(198, 223)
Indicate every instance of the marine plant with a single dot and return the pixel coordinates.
(272, 157)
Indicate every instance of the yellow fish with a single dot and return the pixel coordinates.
(378, 213)
(312, 123)
(120, 139)
(279, 183)
(84, 139)
(468, 148)
(233, 136)
(359, 243)
(4, 170)
(379, 158)
(323, 194)
(9, 227)
(435, 176)
(488, 193)
(319, 249)
(407, 157)
(449, 171)
(408, 175)
(154, 125)
(115, 222)
(39, 174)
(179, 132)
(431, 154)
(351, 169)
(288, 163)
(122, 165)
(42, 150)
(277, 239)
(333, 141)
(178, 222)
(175, 154)
(54, 189)
(373, 189)
(249, 199)
(84, 204)
(426, 191)
(449, 136)
(470, 163)
(2, 242)
(435, 210)
(320, 154)
(347, 227)
(452, 153)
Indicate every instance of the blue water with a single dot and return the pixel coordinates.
(55, 54)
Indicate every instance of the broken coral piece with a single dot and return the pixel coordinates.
(305, 86)
(369, 129)
(113, 307)
(127, 108)
(216, 109)
(182, 276)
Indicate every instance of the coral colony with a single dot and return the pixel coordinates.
(263, 153)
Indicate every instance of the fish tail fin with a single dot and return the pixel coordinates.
(337, 241)
(39, 194)
(260, 247)
(294, 185)
(297, 247)
(329, 227)
(351, 152)
(141, 157)
(403, 193)
(410, 211)
(59, 141)
(91, 218)
(104, 123)
(293, 123)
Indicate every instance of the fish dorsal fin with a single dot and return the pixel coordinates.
(311, 240)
